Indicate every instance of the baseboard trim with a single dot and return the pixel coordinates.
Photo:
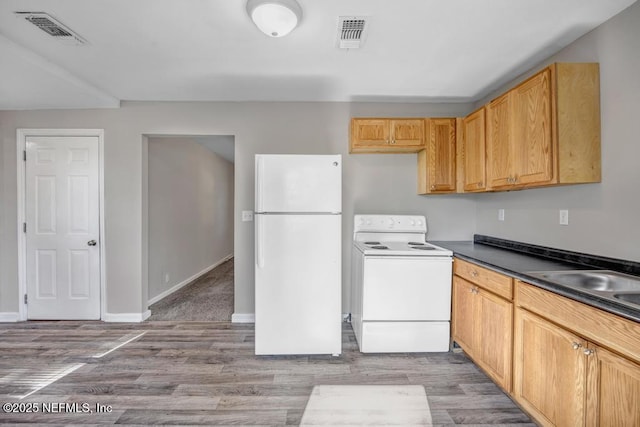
(251, 317)
(187, 281)
(243, 318)
(127, 317)
(9, 317)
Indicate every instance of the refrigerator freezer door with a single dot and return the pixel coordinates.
(298, 183)
(298, 284)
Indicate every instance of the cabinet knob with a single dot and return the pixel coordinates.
(393, 141)
(433, 187)
(588, 351)
(576, 345)
(474, 273)
(479, 184)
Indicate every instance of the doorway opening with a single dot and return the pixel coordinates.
(189, 208)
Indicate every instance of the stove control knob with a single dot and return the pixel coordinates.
(362, 221)
(412, 222)
(391, 222)
(419, 222)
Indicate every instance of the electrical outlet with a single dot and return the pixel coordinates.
(564, 217)
(500, 214)
(247, 216)
(166, 277)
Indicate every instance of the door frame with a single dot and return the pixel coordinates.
(21, 140)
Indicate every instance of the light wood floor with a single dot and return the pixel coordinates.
(205, 373)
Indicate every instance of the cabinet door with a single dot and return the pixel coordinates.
(549, 371)
(370, 132)
(473, 151)
(407, 133)
(367, 133)
(531, 127)
(613, 397)
(499, 148)
(495, 337)
(441, 147)
(463, 319)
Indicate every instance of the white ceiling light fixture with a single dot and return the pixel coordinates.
(275, 18)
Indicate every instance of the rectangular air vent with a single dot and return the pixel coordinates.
(52, 27)
(351, 31)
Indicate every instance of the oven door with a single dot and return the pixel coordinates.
(397, 288)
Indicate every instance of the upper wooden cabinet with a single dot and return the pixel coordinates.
(384, 135)
(546, 131)
(472, 152)
(437, 162)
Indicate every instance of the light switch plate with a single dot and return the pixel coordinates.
(500, 214)
(247, 216)
(564, 217)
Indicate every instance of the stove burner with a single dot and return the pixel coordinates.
(379, 247)
(423, 248)
(415, 244)
(371, 243)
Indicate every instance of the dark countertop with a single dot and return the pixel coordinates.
(517, 259)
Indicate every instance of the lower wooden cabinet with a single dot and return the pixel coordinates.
(613, 390)
(482, 326)
(549, 371)
(567, 378)
(564, 362)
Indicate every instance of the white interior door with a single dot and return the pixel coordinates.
(62, 234)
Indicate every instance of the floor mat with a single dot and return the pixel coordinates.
(373, 405)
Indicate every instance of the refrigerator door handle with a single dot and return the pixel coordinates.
(259, 180)
(259, 239)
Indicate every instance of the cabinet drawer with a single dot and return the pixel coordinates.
(606, 329)
(492, 281)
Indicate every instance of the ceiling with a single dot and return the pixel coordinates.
(209, 50)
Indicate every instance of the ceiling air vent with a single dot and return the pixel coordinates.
(351, 31)
(53, 27)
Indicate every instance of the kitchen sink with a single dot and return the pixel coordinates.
(633, 298)
(607, 284)
(592, 280)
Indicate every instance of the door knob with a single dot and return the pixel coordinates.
(92, 243)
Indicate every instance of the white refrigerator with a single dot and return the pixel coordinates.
(298, 279)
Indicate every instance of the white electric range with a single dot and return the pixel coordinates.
(400, 286)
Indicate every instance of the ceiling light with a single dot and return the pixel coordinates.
(275, 18)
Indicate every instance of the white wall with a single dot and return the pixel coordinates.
(190, 210)
(603, 217)
(373, 183)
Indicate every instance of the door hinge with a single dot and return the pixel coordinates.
(25, 298)
(24, 227)
(24, 155)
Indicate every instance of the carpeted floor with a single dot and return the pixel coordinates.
(209, 298)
